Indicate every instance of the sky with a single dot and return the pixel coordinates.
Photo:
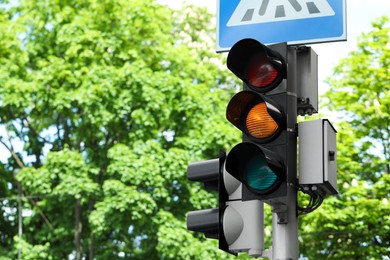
(360, 15)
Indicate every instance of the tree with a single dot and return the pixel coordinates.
(356, 223)
(109, 101)
(104, 103)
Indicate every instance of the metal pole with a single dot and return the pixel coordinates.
(20, 208)
(285, 235)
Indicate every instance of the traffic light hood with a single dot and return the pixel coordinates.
(258, 117)
(256, 167)
(261, 68)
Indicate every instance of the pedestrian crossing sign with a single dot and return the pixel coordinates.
(274, 21)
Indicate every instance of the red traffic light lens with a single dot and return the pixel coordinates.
(260, 73)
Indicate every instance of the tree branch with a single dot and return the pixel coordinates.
(40, 212)
(10, 148)
(32, 129)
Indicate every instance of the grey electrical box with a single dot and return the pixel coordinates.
(318, 156)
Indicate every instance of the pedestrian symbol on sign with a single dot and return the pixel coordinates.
(255, 11)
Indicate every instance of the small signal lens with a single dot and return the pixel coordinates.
(259, 123)
(258, 175)
(260, 73)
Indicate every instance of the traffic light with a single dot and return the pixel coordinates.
(279, 81)
(238, 225)
(265, 112)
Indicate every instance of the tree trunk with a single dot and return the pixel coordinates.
(92, 243)
(78, 228)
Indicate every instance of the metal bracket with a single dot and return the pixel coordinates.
(281, 211)
(267, 253)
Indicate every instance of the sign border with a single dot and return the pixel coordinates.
(342, 37)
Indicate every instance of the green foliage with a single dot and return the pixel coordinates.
(361, 87)
(110, 100)
(65, 174)
(355, 224)
(31, 252)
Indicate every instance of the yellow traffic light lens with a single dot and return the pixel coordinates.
(259, 123)
(260, 73)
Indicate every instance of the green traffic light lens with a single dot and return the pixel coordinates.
(258, 175)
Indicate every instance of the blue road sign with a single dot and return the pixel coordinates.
(274, 21)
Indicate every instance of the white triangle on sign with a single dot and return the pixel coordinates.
(262, 11)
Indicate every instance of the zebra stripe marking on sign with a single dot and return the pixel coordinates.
(255, 11)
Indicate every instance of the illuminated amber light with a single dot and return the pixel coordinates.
(259, 123)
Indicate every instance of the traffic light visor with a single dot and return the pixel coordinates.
(261, 68)
(258, 117)
(257, 167)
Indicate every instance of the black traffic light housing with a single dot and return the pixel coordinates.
(265, 112)
(241, 105)
(245, 157)
(248, 58)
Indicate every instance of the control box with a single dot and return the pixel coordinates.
(317, 157)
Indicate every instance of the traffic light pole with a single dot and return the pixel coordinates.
(285, 236)
(285, 221)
